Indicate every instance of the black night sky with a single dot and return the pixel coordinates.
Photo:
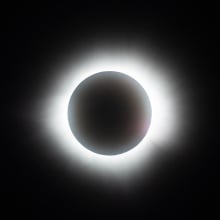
(183, 185)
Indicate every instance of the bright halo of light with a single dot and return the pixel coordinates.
(157, 84)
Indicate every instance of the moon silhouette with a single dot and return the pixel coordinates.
(109, 113)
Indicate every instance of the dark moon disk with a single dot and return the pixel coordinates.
(109, 113)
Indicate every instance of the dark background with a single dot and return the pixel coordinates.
(184, 186)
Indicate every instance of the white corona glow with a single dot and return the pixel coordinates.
(156, 82)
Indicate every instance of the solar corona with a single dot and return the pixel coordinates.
(108, 111)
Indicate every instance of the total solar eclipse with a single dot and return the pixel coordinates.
(109, 113)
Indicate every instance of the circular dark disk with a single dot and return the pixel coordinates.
(109, 113)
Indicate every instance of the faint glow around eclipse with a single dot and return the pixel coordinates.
(154, 79)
